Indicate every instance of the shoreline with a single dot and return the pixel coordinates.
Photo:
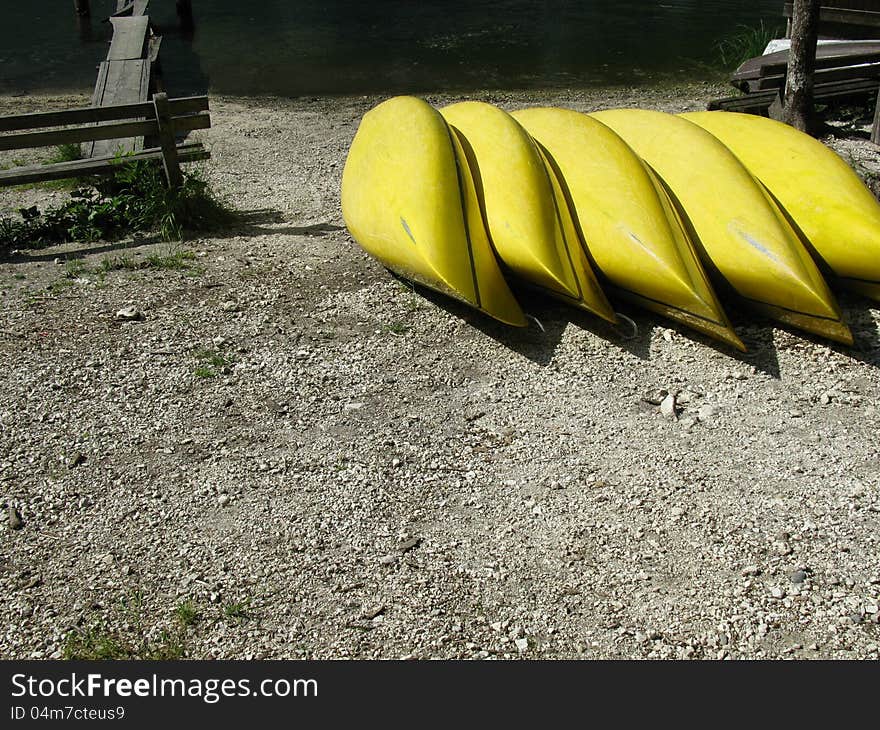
(316, 461)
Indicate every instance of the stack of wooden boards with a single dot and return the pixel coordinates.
(656, 208)
(846, 71)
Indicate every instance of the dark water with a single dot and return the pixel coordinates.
(293, 47)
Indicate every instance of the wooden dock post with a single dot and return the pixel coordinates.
(185, 17)
(82, 8)
(875, 128)
(167, 141)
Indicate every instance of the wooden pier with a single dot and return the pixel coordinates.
(130, 113)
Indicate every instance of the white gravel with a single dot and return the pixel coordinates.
(372, 472)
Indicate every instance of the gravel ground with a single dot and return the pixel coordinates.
(292, 455)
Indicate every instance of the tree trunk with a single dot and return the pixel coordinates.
(801, 64)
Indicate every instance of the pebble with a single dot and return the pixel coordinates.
(14, 518)
(667, 406)
(223, 500)
(522, 645)
(370, 612)
(129, 314)
(388, 560)
(798, 576)
(777, 592)
(229, 306)
(655, 397)
(751, 570)
(707, 412)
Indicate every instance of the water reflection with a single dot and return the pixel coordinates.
(294, 47)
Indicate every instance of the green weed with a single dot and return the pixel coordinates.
(744, 43)
(134, 199)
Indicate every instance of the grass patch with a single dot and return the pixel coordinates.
(173, 261)
(397, 328)
(100, 641)
(120, 262)
(65, 153)
(237, 611)
(744, 43)
(187, 613)
(74, 268)
(134, 199)
(211, 362)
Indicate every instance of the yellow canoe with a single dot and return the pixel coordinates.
(628, 224)
(521, 209)
(742, 234)
(409, 200)
(823, 196)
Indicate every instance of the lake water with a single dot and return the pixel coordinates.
(294, 48)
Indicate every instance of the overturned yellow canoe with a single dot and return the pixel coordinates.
(823, 196)
(742, 234)
(628, 224)
(409, 200)
(528, 225)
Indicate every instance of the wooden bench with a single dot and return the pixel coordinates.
(759, 102)
(833, 14)
(162, 118)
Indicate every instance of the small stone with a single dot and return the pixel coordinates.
(782, 548)
(751, 570)
(223, 500)
(707, 412)
(856, 618)
(388, 560)
(229, 305)
(687, 423)
(395, 463)
(220, 341)
(796, 413)
(667, 406)
(14, 518)
(129, 314)
(414, 542)
(77, 459)
(777, 592)
(798, 576)
(825, 399)
(521, 645)
(370, 612)
(655, 397)
(28, 583)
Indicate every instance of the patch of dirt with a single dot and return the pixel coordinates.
(324, 462)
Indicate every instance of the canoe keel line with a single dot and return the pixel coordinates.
(653, 208)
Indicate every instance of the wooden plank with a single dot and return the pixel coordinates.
(822, 76)
(122, 82)
(166, 141)
(875, 129)
(760, 101)
(95, 114)
(130, 7)
(189, 152)
(101, 132)
(129, 38)
(78, 134)
(33, 173)
(153, 50)
(844, 16)
(828, 55)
